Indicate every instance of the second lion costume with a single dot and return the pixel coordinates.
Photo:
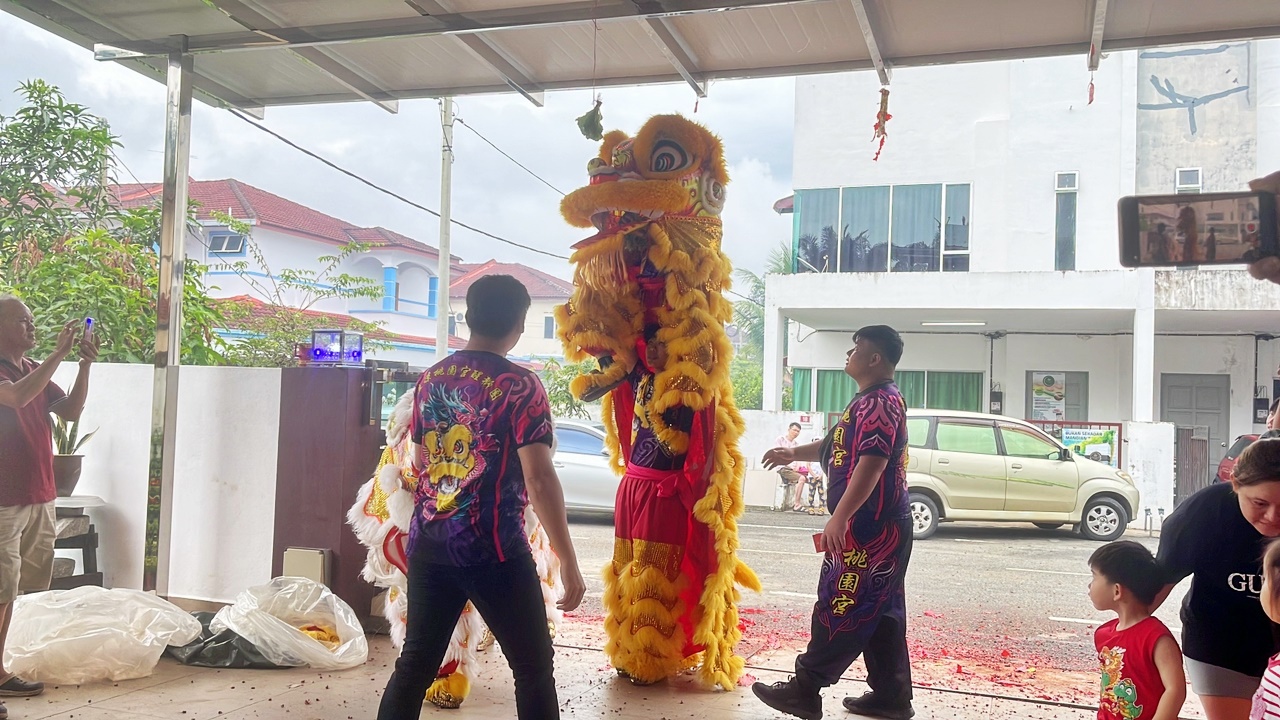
(648, 303)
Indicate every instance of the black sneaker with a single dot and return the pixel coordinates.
(869, 707)
(17, 687)
(791, 698)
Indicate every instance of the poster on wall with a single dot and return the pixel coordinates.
(1092, 443)
(1048, 395)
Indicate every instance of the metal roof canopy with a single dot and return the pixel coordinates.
(252, 54)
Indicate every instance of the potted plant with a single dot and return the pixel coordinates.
(67, 442)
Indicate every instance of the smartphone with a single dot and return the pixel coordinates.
(1197, 229)
(88, 328)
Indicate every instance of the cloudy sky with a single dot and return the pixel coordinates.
(402, 151)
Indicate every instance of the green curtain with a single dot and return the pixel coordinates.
(911, 385)
(955, 391)
(801, 388)
(835, 390)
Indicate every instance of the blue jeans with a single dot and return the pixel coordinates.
(509, 597)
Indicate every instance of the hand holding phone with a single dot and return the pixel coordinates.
(1197, 229)
(88, 328)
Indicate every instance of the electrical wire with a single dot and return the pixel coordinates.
(536, 176)
(385, 191)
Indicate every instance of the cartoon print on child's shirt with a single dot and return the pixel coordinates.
(1119, 694)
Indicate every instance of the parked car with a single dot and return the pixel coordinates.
(1228, 460)
(582, 463)
(978, 467)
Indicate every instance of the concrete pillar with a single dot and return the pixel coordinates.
(1144, 364)
(774, 338)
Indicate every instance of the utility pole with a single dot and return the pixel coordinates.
(446, 191)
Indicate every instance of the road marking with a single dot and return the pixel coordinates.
(1050, 572)
(1101, 621)
(988, 542)
(787, 593)
(781, 527)
(779, 552)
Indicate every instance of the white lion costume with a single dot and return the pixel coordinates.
(380, 518)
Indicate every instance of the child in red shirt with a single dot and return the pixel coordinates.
(1142, 677)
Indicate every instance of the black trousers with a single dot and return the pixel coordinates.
(509, 597)
(862, 610)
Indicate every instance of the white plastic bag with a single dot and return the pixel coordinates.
(269, 616)
(71, 637)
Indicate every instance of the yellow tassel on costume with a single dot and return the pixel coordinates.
(449, 692)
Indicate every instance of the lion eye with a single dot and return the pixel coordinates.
(668, 156)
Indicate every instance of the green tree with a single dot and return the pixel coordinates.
(56, 169)
(556, 377)
(114, 281)
(271, 338)
(747, 369)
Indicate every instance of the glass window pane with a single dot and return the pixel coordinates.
(955, 263)
(1065, 233)
(864, 241)
(917, 228)
(817, 214)
(955, 391)
(957, 236)
(979, 439)
(801, 388)
(1020, 442)
(911, 385)
(549, 326)
(835, 390)
(917, 431)
(577, 441)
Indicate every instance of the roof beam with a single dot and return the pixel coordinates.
(1099, 28)
(480, 21)
(53, 16)
(868, 27)
(252, 17)
(489, 51)
(677, 51)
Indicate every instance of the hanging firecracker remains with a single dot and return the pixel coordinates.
(882, 120)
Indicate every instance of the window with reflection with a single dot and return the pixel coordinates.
(817, 217)
(864, 223)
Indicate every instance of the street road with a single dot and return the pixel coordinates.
(1001, 606)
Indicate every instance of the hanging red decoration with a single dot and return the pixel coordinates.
(882, 119)
(1090, 88)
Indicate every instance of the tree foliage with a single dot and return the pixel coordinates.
(56, 168)
(556, 377)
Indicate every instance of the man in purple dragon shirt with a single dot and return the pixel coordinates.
(866, 543)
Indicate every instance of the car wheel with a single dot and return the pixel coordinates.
(1049, 526)
(1104, 519)
(924, 516)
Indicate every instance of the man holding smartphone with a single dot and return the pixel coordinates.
(27, 490)
(1268, 268)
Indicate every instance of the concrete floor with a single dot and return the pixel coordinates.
(588, 689)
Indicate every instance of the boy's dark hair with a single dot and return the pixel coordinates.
(1132, 566)
(795, 425)
(886, 339)
(496, 305)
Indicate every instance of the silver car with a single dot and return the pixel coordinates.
(582, 462)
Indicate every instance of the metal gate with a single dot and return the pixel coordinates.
(1191, 462)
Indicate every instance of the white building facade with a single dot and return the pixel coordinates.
(986, 234)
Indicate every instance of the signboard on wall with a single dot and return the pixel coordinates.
(1048, 395)
(1092, 443)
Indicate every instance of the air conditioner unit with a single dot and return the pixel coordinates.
(460, 318)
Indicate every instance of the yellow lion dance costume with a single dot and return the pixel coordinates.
(648, 304)
(380, 519)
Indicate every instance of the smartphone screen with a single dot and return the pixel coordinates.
(1211, 229)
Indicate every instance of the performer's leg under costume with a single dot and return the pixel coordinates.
(862, 608)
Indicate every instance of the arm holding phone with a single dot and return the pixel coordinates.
(1268, 268)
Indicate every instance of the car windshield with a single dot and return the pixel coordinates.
(1238, 446)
